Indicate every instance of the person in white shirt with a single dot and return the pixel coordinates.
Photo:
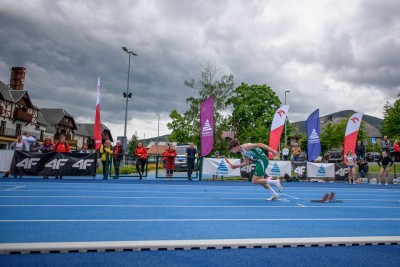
(285, 153)
(28, 140)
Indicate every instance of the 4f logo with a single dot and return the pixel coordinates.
(55, 164)
(342, 172)
(300, 170)
(83, 164)
(28, 163)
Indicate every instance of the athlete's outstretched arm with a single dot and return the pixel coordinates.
(249, 146)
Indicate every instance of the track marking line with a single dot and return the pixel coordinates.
(15, 188)
(200, 220)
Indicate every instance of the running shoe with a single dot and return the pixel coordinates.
(279, 185)
(273, 197)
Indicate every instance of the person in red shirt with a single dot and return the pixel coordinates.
(396, 148)
(61, 147)
(141, 153)
(170, 156)
(118, 155)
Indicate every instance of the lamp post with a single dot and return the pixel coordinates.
(158, 132)
(126, 94)
(285, 120)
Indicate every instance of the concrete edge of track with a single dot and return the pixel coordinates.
(154, 245)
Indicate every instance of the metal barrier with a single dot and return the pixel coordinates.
(181, 169)
(128, 160)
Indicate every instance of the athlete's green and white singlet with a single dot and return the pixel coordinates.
(257, 154)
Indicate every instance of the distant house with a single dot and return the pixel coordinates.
(61, 122)
(372, 124)
(85, 134)
(17, 115)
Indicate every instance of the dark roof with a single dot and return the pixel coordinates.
(54, 115)
(89, 127)
(373, 125)
(5, 92)
(13, 95)
(81, 130)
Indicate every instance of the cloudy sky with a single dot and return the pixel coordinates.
(331, 55)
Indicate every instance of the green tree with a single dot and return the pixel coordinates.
(391, 121)
(332, 135)
(132, 144)
(253, 110)
(181, 130)
(185, 128)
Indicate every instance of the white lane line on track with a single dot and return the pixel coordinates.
(15, 188)
(206, 219)
(196, 206)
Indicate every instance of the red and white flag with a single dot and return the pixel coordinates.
(97, 123)
(350, 137)
(277, 127)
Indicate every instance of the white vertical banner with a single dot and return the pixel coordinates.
(6, 157)
(320, 169)
(220, 166)
(278, 168)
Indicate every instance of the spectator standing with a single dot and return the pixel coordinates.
(61, 147)
(164, 156)
(105, 151)
(285, 153)
(296, 150)
(396, 148)
(385, 162)
(217, 155)
(385, 145)
(350, 161)
(141, 153)
(363, 168)
(191, 155)
(28, 140)
(170, 156)
(18, 145)
(360, 150)
(118, 155)
(47, 147)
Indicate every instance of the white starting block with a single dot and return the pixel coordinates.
(372, 181)
(396, 181)
(364, 180)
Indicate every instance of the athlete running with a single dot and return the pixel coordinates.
(255, 152)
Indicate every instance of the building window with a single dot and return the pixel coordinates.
(18, 129)
(2, 127)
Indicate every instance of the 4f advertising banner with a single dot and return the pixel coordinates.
(300, 169)
(52, 164)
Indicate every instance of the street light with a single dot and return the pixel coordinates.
(126, 94)
(158, 132)
(285, 120)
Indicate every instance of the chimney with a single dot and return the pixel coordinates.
(17, 79)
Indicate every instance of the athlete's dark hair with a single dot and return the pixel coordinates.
(233, 143)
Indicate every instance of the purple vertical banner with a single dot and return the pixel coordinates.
(207, 126)
(313, 133)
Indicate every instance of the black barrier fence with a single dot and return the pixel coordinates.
(85, 164)
(54, 164)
